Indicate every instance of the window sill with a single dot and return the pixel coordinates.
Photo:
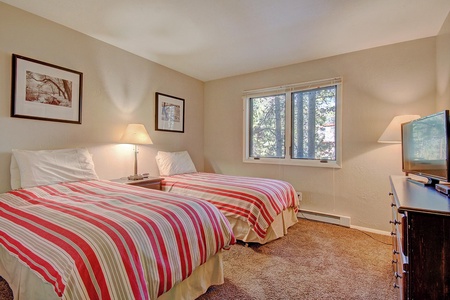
(302, 163)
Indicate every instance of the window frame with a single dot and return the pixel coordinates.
(288, 90)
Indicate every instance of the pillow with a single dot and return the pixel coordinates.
(44, 167)
(15, 174)
(172, 163)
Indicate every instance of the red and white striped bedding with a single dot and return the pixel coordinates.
(104, 240)
(256, 201)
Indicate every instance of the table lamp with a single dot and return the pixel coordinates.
(136, 134)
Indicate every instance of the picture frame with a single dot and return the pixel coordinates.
(44, 91)
(169, 113)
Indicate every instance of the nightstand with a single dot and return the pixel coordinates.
(149, 183)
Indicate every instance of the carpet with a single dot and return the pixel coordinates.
(5, 291)
(313, 261)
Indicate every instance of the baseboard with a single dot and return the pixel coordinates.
(324, 217)
(337, 220)
(366, 229)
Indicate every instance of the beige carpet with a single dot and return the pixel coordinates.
(314, 261)
(5, 291)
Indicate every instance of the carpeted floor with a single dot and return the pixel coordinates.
(5, 291)
(314, 261)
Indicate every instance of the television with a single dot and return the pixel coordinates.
(425, 148)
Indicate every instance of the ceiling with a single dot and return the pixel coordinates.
(212, 39)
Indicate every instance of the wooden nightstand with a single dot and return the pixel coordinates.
(149, 183)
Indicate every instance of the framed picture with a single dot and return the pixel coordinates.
(169, 113)
(44, 91)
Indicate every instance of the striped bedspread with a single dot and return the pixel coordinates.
(105, 240)
(256, 201)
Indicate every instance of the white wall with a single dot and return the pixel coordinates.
(119, 88)
(443, 66)
(378, 84)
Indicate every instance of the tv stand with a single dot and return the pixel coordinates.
(421, 240)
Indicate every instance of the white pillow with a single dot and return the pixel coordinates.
(44, 167)
(172, 163)
(15, 174)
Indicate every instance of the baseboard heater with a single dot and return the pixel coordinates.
(324, 217)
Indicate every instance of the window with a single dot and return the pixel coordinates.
(295, 124)
(267, 126)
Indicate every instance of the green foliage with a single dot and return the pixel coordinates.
(314, 119)
(268, 126)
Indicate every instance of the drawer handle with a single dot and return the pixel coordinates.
(396, 286)
(395, 252)
(393, 204)
(391, 194)
(394, 261)
(397, 275)
(395, 222)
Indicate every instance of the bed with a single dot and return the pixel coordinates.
(259, 209)
(97, 239)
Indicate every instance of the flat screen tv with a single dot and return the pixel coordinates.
(425, 147)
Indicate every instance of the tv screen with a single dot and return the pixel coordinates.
(425, 149)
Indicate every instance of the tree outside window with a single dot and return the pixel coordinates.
(268, 123)
(314, 124)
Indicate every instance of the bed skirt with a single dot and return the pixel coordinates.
(243, 232)
(25, 284)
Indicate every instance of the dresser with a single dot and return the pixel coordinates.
(421, 240)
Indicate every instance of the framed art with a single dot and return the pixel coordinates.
(44, 91)
(169, 113)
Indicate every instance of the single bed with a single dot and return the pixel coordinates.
(259, 209)
(95, 239)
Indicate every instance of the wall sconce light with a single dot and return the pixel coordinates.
(136, 134)
(393, 133)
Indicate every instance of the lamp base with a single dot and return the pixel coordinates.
(135, 177)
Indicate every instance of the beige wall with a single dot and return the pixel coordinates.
(118, 88)
(443, 66)
(378, 84)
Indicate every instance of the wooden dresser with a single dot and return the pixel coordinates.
(421, 240)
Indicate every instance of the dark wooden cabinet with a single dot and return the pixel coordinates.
(421, 240)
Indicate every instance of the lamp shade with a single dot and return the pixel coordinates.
(136, 134)
(393, 133)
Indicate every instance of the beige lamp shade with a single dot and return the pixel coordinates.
(393, 133)
(136, 134)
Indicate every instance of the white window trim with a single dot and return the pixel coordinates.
(288, 89)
